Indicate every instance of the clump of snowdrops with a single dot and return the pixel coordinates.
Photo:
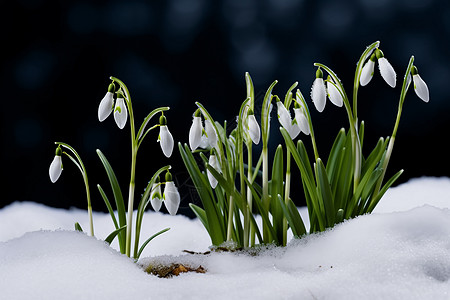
(232, 185)
(118, 101)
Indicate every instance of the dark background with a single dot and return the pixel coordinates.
(57, 57)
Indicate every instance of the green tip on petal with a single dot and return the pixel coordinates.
(319, 73)
(378, 53)
(111, 88)
(168, 176)
(162, 120)
(58, 151)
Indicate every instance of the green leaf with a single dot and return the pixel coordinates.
(201, 215)
(113, 234)
(215, 220)
(277, 188)
(325, 194)
(293, 217)
(78, 227)
(117, 196)
(108, 205)
(383, 190)
(148, 241)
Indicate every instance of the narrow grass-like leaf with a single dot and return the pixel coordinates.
(293, 217)
(148, 241)
(117, 196)
(113, 234)
(78, 227)
(383, 190)
(325, 192)
(108, 205)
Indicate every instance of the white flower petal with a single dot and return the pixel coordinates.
(55, 168)
(166, 140)
(421, 88)
(284, 117)
(367, 72)
(334, 95)
(253, 129)
(302, 121)
(120, 113)
(106, 106)
(171, 198)
(213, 162)
(387, 71)
(293, 130)
(195, 133)
(155, 197)
(319, 94)
(211, 133)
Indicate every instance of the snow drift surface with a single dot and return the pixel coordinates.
(390, 255)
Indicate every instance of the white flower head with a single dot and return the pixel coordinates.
(386, 70)
(212, 161)
(210, 133)
(284, 117)
(171, 195)
(56, 166)
(318, 92)
(367, 71)
(120, 112)
(196, 131)
(420, 87)
(156, 195)
(106, 105)
(334, 93)
(165, 137)
(301, 119)
(253, 127)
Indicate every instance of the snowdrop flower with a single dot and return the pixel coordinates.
(56, 166)
(196, 130)
(318, 92)
(120, 112)
(301, 119)
(386, 70)
(367, 71)
(171, 195)
(211, 133)
(284, 117)
(333, 93)
(106, 105)
(420, 87)
(253, 127)
(155, 195)
(212, 161)
(165, 137)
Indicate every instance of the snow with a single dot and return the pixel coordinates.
(401, 251)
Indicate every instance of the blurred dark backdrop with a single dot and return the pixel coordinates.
(57, 57)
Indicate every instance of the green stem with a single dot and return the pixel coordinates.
(248, 227)
(230, 219)
(134, 148)
(79, 163)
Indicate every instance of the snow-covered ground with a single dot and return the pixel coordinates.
(402, 251)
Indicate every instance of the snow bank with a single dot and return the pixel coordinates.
(389, 255)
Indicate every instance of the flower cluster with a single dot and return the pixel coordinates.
(170, 197)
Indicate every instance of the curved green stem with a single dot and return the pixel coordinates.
(79, 163)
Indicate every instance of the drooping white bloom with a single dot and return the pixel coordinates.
(253, 128)
(387, 71)
(420, 87)
(367, 71)
(302, 121)
(211, 133)
(56, 166)
(166, 140)
(334, 94)
(195, 133)
(284, 117)
(318, 92)
(120, 113)
(212, 161)
(106, 106)
(171, 197)
(156, 196)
